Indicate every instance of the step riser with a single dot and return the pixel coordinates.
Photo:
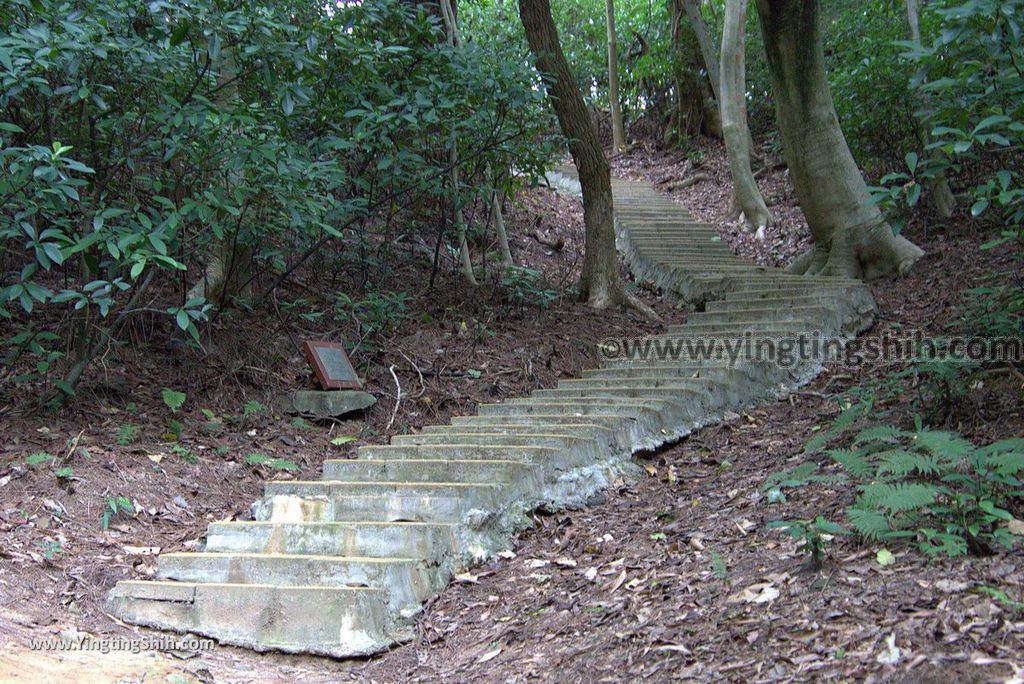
(757, 315)
(407, 540)
(342, 622)
(284, 508)
(406, 583)
(461, 452)
(575, 451)
(503, 472)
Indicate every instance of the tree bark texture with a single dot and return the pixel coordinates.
(851, 237)
(733, 105)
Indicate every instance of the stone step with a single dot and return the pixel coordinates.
(298, 501)
(758, 328)
(668, 247)
(433, 541)
(627, 408)
(766, 313)
(422, 470)
(812, 298)
(330, 621)
(792, 284)
(689, 385)
(407, 582)
(648, 422)
(731, 384)
(604, 436)
(693, 259)
(583, 447)
(676, 370)
(785, 295)
(451, 451)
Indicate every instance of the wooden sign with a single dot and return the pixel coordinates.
(331, 365)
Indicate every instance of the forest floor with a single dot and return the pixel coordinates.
(673, 577)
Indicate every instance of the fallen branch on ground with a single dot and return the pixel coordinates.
(692, 180)
(554, 243)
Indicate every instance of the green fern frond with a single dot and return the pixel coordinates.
(1007, 463)
(897, 462)
(794, 477)
(945, 444)
(899, 497)
(879, 433)
(870, 523)
(854, 461)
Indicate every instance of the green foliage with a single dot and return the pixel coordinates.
(127, 433)
(173, 400)
(970, 76)
(251, 408)
(523, 286)
(930, 487)
(271, 463)
(378, 312)
(870, 84)
(39, 458)
(51, 548)
(813, 534)
(116, 507)
(115, 175)
(185, 453)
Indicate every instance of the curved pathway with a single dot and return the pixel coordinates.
(342, 565)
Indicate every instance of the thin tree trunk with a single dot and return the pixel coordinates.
(707, 50)
(733, 106)
(499, 230)
(466, 268)
(600, 284)
(851, 237)
(618, 129)
(228, 268)
(940, 195)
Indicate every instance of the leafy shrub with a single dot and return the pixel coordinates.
(932, 488)
(971, 78)
(115, 176)
(523, 286)
(269, 462)
(376, 313)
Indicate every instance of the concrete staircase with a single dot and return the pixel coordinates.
(341, 566)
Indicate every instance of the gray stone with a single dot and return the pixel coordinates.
(327, 404)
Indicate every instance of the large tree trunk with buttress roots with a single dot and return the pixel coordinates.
(601, 284)
(851, 237)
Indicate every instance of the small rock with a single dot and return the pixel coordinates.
(326, 404)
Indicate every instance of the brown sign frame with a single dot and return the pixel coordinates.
(309, 347)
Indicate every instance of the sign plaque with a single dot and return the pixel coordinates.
(331, 365)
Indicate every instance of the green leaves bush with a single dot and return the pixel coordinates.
(138, 139)
(932, 488)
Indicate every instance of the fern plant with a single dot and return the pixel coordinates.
(933, 488)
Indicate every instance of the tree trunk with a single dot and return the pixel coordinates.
(707, 50)
(940, 195)
(228, 269)
(499, 230)
(851, 237)
(618, 130)
(733, 106)
(466, 263)
(600, 284)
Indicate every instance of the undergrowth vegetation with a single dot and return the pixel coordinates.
(120, 197)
